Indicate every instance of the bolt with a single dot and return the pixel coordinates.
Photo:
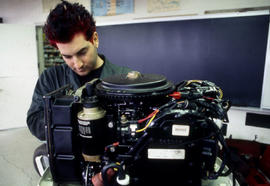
(112, 149)
(76, 98)
(123, 119)
(110, 124)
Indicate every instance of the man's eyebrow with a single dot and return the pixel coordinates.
(81, 50)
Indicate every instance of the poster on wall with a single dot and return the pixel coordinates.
(156, 6)
(111, 7)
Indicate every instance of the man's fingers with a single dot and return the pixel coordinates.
(97, 180)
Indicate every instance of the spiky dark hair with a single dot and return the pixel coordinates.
(66, 20)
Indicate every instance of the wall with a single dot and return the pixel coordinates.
(25, 11)
(18, 73)
(30, 12)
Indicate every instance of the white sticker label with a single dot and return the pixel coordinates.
(83, 122)
(180, 130)
(177, 154)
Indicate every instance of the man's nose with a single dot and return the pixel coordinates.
(77, 62)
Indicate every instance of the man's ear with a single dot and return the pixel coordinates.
(95, 39)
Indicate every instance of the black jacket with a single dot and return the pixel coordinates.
(52, 79)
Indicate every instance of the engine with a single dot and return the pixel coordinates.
(146, 129)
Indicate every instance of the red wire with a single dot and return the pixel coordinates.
(114, 144)
(208, 98)
(149, 116)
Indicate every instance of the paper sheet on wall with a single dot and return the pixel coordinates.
(48, 5)
(156, 6)
(111, 7)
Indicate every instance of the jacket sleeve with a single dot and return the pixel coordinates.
(35, 114)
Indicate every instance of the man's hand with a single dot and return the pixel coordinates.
(97, 179)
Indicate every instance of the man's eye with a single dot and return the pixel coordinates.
(67, 57)
(82, 53)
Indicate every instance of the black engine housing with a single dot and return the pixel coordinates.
(155, 137)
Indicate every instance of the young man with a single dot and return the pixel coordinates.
(71, 29)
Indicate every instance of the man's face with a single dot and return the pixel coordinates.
(79, 54)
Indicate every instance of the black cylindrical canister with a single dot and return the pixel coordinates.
(92, 127)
